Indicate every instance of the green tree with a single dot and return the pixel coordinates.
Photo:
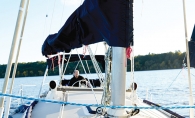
(170, 60)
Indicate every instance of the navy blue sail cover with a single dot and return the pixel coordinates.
(193, 34)
(94, 21)
(191, 45)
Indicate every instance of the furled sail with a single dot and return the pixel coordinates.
(193, 35)
(94, 21)
(191, 45)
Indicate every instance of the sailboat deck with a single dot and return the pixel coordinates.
(52, 110)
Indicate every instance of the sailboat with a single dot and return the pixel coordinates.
(95, 21)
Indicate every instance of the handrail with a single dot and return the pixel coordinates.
(69, 88)
(20, 92)
(43, 81)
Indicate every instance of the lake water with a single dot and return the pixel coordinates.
(165, 87)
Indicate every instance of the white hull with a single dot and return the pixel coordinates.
(52, 110)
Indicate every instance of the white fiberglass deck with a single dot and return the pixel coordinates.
(52, 110)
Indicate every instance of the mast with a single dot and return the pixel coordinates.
(118, 82)
(191, 102)
(8, 99)
(119, 62)
(8, 69)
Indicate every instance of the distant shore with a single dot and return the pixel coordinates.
(170, 60)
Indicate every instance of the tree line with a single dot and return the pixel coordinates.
(170, 60)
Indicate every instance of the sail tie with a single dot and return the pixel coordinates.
(84, 50)
(59, 59)
(52, 60)
(128, 52)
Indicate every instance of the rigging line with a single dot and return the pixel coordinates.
(132, 73)
(87, 66)
(45, 19)
(59, 65)
(88, 69)
(52, 16)
(87, 76)
(67, 62)
(96, 66)
(172, 82)
(106, 93)
(77, 65)
(131, 55)
(184, 59)
(62, 13)
(190, 72)
(96, 49)
(95, 61)
(63, 59)
(43, 81)
(47, 11)
(142, 7)
(44, 26)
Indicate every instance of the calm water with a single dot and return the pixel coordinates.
(156, 82)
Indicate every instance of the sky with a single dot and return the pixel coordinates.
(158, 26)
